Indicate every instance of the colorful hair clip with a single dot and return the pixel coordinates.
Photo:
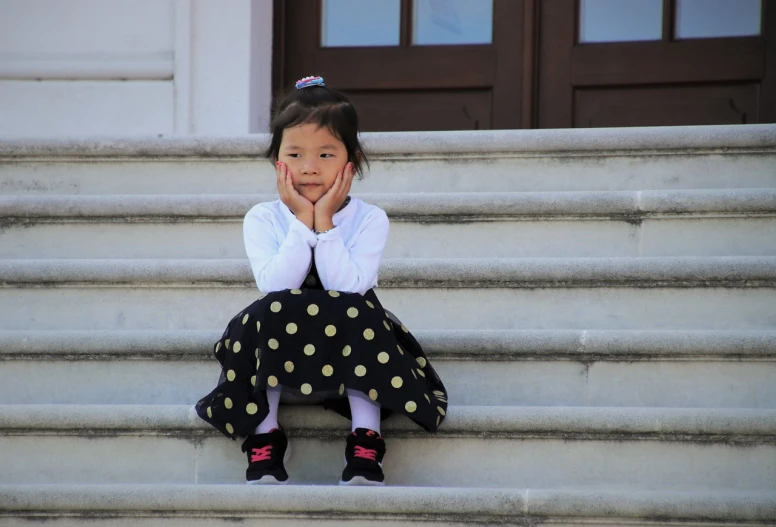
(309, 81)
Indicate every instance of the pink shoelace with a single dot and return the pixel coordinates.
(365, 453)
(261, 454)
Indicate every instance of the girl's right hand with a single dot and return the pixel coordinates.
(302, 208)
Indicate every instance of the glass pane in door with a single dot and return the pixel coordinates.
(620, 20)
(351, 23)
(717, 18)
(438, 22)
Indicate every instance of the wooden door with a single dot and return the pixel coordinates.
(674, 79)
(408, 84)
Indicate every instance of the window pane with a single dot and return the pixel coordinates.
(717, 18)
(620, 21)
(360, 23)
(452, 22)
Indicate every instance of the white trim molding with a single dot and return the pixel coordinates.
(182, 80)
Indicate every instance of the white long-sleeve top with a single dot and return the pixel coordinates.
(280, 247)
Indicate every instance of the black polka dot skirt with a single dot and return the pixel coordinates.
(317, 344)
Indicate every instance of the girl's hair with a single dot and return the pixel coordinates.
(324, 107)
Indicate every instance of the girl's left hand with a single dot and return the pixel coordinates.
(330, 202)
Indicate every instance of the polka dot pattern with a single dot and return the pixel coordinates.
(320, 342)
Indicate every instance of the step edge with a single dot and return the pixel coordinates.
(444, 344)
(391, 502)
(630, 205)
(739, 425)
(725, 271)
(725, 138)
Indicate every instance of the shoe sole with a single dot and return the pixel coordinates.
(267, 480)
(361, 481)
(272, 480)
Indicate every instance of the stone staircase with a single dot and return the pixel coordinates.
(618, 366)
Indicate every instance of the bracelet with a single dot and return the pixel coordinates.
(321, 232)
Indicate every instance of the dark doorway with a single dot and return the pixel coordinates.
(407, 84)
(668, 79)
(535, 63)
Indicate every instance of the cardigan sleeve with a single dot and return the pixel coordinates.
(277, 263)
(353, 269)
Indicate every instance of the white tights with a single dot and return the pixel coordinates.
(364, 411)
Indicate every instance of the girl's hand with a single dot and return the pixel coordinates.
(333, 199)
(299, 205)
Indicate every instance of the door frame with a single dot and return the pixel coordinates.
(666, 61)
(507, 66)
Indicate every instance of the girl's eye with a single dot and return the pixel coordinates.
(327, 155)
(295, 155)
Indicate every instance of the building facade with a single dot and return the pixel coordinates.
(206, 67)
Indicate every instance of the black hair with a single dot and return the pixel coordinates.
(325, 107)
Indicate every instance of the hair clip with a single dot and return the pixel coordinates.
(309, 81)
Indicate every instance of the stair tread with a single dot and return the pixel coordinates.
(589, 140)
(407, 206)
(681, 271)
(390, 502)
(734, 424)
(480, 344)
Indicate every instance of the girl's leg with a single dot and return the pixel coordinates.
(271, 421)
(365, 412)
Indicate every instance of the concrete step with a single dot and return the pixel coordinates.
(530, 224)
(330, 506)
(435, 294)
(472, 161)
(710, 369)
(595, 448)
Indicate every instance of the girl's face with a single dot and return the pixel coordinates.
(314, 157)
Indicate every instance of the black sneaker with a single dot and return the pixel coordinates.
(364, 458)
(267, 454)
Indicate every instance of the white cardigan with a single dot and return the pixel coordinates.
(280, 247)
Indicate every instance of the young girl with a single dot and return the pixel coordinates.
(318, 328)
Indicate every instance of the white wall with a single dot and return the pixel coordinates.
(83, 67)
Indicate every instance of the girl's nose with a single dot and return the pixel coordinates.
(309, 168)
